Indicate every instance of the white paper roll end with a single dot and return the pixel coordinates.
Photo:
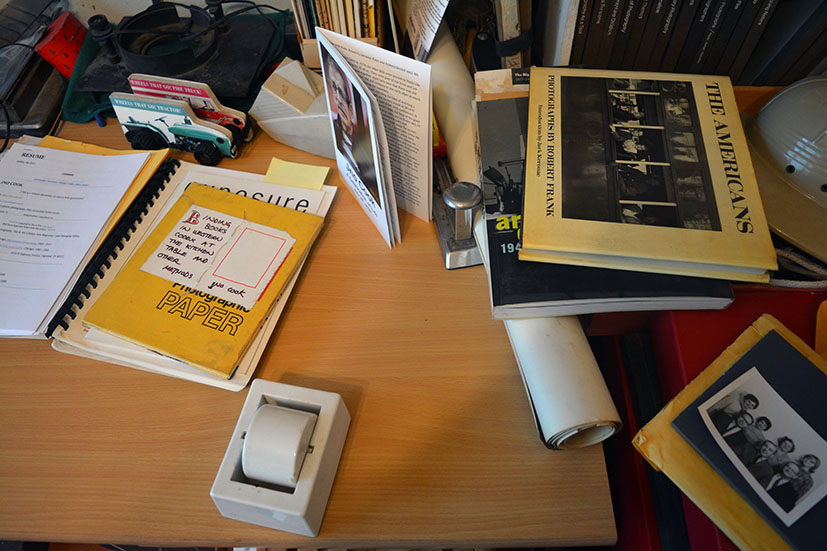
(276, 443)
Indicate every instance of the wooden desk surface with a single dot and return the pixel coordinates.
(442, 450)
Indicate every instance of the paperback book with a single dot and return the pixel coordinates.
(640, 171)
(530, 289)
(198, 288)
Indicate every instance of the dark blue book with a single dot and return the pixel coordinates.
(730, 20)
(664, 34)
(650, 34)
(696, 35)
(597, 24)
(581, 31)
(784, 52)
(607, 41)
(807, 62)
(624, 32)
(782, 27)
(739, 34)
(710, 34)
(636, 34)
(684, 22)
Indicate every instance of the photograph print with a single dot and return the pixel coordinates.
(773, 448)
(351, 129)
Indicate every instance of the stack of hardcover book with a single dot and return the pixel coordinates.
(615, 191)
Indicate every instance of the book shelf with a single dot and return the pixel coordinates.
(755, 42)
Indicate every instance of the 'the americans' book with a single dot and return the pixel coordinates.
(161, 301)
(641, 171)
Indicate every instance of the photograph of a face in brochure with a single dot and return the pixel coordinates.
(359, 142)
(772, 447)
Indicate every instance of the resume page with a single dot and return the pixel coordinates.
(53, 206)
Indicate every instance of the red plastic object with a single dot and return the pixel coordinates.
(62, 43)
(637, 526)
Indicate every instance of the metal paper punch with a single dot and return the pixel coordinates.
(454, 205)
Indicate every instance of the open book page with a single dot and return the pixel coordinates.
(402, 87)
(55, 205)
(352, 109)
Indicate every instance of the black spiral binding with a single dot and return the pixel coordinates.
(112, 245)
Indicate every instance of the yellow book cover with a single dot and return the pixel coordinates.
(641, 171)
(722, 475)
(198, 288)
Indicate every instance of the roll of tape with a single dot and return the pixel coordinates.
(276, 443)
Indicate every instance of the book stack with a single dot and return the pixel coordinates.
(520, 288)
(207, 331)
(755, 42)
(200, 285)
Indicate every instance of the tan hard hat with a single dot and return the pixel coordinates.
(788, 146)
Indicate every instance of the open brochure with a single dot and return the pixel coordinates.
(380, 114)
(75, 337)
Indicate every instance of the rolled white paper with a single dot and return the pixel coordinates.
(572, 405)
(275, 444)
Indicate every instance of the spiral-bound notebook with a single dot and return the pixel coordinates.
(58, 205)
(70, 333)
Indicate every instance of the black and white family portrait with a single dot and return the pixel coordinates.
(773, 448)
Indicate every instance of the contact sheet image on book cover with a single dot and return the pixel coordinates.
(642, 171)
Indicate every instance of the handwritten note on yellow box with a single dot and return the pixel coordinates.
(296, 174)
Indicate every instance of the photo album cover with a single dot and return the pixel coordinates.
(761, 425)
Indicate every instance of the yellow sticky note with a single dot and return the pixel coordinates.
(286, 173)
